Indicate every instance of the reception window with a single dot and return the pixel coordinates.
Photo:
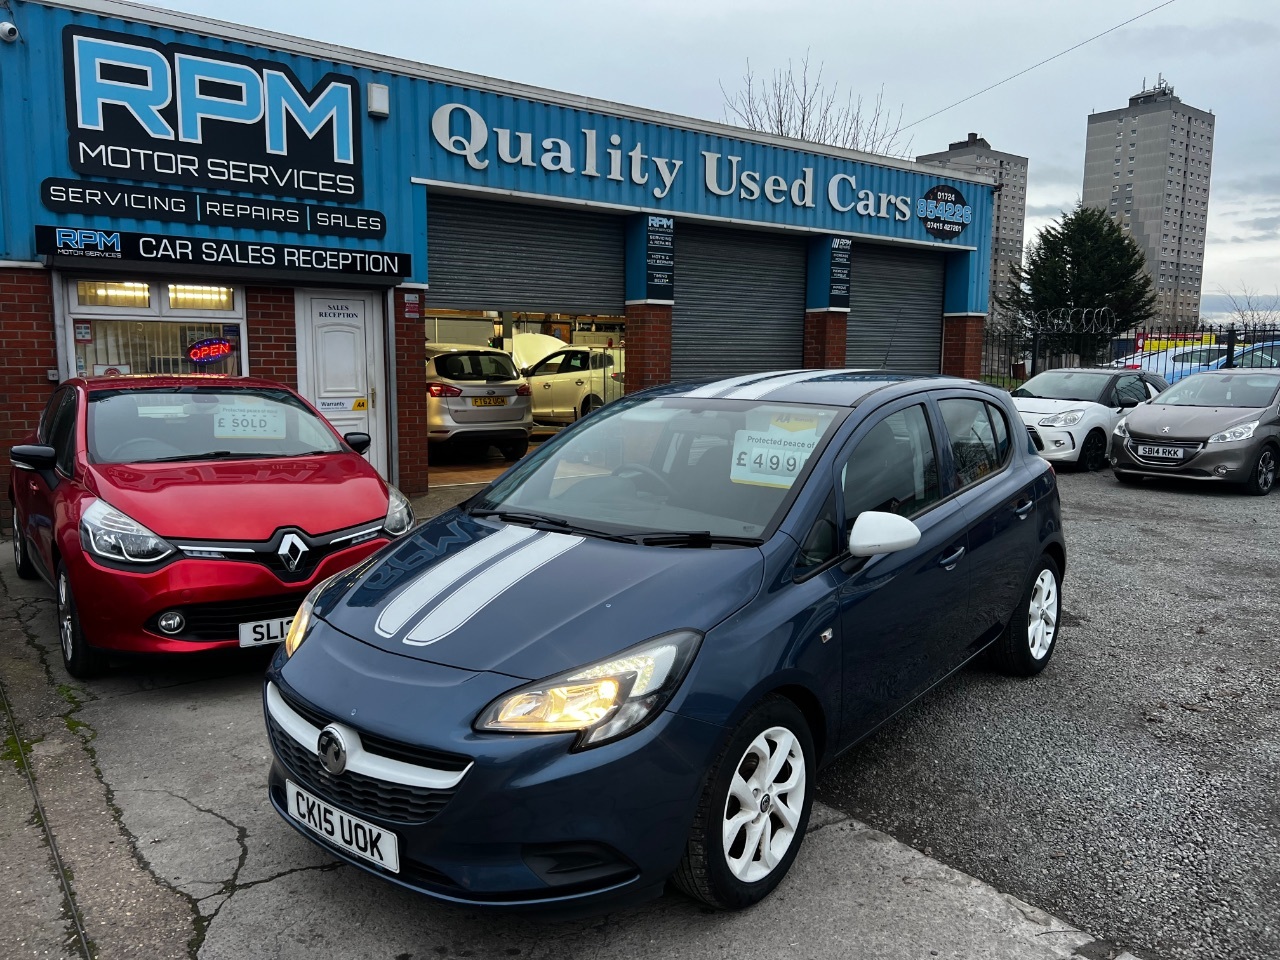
(120, 327)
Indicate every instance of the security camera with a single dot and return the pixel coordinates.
(8, 32)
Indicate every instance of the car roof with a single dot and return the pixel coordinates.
(842, 388)
(439, 348)
(1251, 371)
(1109, 371)
(150, 381)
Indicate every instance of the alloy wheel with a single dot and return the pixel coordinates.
(765, 804)
(17, 543)
(1266, 470)
(65, 627)
(1042, 614)
(1093, 454)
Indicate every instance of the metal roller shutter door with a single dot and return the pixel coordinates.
(895, 309)
(739, 302)
(490, 255)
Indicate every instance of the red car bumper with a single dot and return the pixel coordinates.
(119, 608)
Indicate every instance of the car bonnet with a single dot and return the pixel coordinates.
(482, 595)
(1179, 422)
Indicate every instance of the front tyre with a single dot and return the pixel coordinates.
(754, 810)
(1263, 477)
(1029, 640)
(81, 660)
(1093, 452)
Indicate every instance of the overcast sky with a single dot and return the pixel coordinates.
(673, 55)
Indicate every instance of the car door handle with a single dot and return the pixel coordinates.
(1023, 510)
(546, 386)
(579, 382)
(948, 562)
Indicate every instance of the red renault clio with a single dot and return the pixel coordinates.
(176, 514)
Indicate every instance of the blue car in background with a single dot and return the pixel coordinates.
(626, 659)
(1258, 355)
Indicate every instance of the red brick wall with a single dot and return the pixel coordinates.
(411, 397)
(825, 336)
(28, 334)
(648, 345)
(273, 337)
(962, 346)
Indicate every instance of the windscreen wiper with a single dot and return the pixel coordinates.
(539, 522)
(210, 455)
(692, 538)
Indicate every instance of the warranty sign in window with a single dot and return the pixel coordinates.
(776, 445)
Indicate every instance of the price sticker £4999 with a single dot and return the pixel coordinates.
(774, 453)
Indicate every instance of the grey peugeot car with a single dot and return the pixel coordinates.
(1221, 425)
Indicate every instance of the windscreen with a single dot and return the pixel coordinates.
(1243, 390)
(202, 423)
(1065, 385)
(671, 465)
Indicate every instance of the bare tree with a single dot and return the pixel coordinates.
(1251, 308)
(794, 101)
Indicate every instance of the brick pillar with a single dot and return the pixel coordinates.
(648, 342)
(826, 334)
(273, 336)
(962, 345)
(29, 338)
(411, 397)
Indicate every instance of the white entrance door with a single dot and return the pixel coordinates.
(341, 366)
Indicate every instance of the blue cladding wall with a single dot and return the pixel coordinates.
(449, 135)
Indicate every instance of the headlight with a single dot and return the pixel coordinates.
(1242, 431)
(301, 625)
(1122, 428)
(604, 700)
(110, 534)
(1068, 418)
(400, 518)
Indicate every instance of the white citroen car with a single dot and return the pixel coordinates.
(1070, 413)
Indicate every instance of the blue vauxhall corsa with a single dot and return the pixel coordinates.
(627, 658)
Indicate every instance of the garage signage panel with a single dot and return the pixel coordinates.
(71, 244)
(200, 116)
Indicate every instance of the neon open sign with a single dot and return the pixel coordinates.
(209, 351)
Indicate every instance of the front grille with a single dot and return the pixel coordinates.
(363, 796)
(383, 747)
(221, 620)
(1035, 437)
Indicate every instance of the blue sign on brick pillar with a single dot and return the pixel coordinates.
(651, 263)
(827, 286)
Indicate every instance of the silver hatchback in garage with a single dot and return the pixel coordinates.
(475, 395)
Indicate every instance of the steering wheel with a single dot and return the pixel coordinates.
(664, 485)
(138, 448)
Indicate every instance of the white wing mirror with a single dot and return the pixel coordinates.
(875, 532)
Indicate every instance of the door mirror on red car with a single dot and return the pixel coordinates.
(33, 456)
(359, 442)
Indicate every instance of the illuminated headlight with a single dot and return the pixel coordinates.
(602, 701)
(110, 534)
(1122, 428)
(1241, 431)
(1068, 418)
(400, 518)
(301, 624)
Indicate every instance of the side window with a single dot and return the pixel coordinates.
(1001, 427)
(46, 418)
(894, 468)
(548, 365)
(574, 362)
(62, 433)
(973, 439)
(1129, 390)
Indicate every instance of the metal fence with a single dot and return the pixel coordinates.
(1014, 353)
